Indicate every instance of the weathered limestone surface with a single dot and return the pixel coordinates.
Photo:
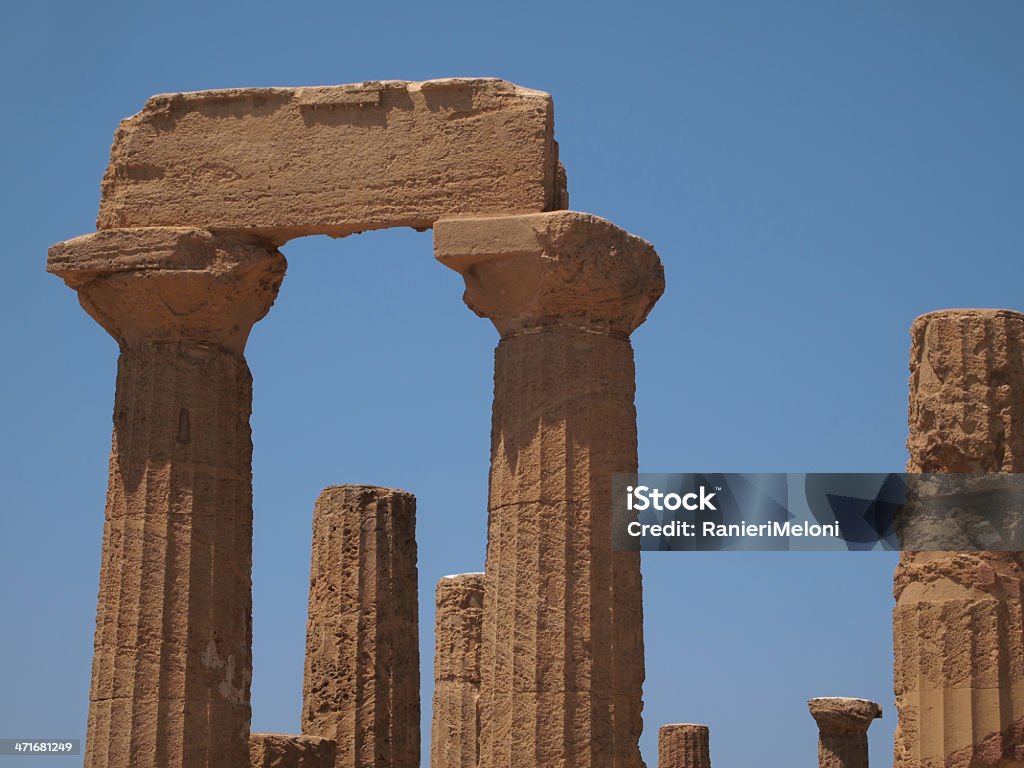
(172, 661)
(455, 730)
(562, 660)
(843, 730)
(361, 685)
(958, 625)
(275, 750)
(682, 745)
(285, 162)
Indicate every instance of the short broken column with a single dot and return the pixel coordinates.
(958, 623)
(275, 750)
(683, 745)
(843, 730)
(172, 662)
(362, 678)
(455, 730)
(562, 660)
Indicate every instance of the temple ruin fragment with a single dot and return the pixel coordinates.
(362, 680)
(173, 651)
(539, 660)
(684, 745)
(562, 661)
(843, 730)
(455, 725)
(957, 625)
(274, 750)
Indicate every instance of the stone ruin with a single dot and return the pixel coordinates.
(539, 660)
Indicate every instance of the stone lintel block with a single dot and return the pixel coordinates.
(334, 160)
(557, 268)
(171, 283)
(841, 714)
(275, 750)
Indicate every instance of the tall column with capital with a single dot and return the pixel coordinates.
(958, 623)
(172, 661)
(562, 659)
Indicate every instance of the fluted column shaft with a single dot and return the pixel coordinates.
(562, 658)
(362, 678)
(455, 731)
(172, 662)
(682, 745)
(958, 628)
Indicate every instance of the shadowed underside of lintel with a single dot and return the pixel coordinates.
(280, 163)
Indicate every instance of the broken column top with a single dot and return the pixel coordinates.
(334, 160)
(558, 268)
(459, 607)
(461, 590)
(360, 490)
(966, 373)
(968, 313)
(275, 750)
(684, 745)
(842, 713)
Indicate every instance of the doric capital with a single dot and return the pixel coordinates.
(559, 268)
(171, 284)
(843, 715)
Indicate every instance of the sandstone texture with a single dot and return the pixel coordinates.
(172, 661)
(843, 730)
(274, 750)
(361, 686)
(335, 160)
(562, 658)
(958, 624)
(682, 745)
(455, 728)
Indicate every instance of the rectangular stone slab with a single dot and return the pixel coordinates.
(334, 160)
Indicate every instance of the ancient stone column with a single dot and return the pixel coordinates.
(958, 629)
(455, 729)
(172, 660)
(362, 676)
(562, 660)
(843, 730)
(682, 745)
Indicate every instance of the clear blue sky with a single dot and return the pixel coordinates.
(814, 175)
